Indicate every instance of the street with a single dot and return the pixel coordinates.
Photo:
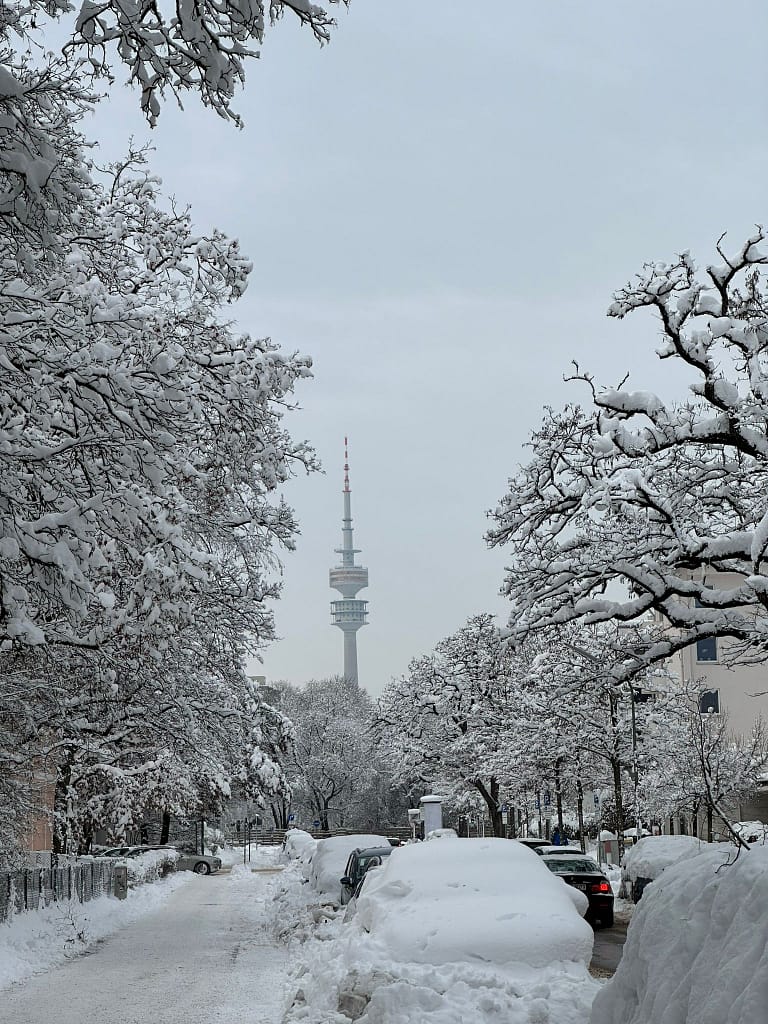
(203, 958)
(609, 946)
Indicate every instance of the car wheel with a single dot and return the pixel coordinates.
(201, 868)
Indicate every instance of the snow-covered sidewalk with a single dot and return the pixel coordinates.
(198, 956)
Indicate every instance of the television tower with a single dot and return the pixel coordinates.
(348, 614)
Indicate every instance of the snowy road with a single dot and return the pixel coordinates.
(202, 958)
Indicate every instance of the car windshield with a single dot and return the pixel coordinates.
(571, 865)
(373, 858)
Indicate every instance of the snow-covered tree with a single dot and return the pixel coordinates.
(443, 720)
(141, 441)
(640, 505)
(335, 772)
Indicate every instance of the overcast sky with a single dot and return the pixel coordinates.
(439, 206)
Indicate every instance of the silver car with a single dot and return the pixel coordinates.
(200, 863)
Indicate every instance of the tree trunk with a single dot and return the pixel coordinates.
(580, 810)
(491, 797)
(559, 794)
(618, 797)
(165, 827)
(60, 806)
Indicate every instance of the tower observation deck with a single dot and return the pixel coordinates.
(349, 614)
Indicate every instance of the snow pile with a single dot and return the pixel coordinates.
(650, 856)
(295, 911)
(697, 948)
(149, 866)
(331, 856)
(752, 831)
(38, 939)
(449, 932)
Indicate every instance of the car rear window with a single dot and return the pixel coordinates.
(570, 865)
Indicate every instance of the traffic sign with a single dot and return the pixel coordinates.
(291, 817)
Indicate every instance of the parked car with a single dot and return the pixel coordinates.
(442, 833)
(330, 857)
(584, 874)
(645, 861)
(360, 861)
(569, 851)
(200, 863)
(532, 842)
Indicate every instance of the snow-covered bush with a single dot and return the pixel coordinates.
(697, 947)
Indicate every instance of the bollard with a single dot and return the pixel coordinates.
(120, 877)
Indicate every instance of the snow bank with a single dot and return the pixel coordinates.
(649, 857)
(470, 900)
(149, 866)
(697, 947)
(752, 831)
(331, 856)
(33, 941)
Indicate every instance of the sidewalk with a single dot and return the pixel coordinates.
(203, 958)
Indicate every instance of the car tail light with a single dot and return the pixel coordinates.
(601, 887)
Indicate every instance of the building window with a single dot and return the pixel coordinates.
(709, 702)
(706, 649)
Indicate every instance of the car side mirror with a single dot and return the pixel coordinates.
(346, 880)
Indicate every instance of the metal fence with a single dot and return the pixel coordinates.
(32, 888)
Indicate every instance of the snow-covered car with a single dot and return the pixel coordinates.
(298, 846)
(532, 842)
(457, 930)
(511, 908)
(646, 860)
(442, 833)
(330, 858)
(359, 863)
(584, 874)
(569, 851)
(752, 831)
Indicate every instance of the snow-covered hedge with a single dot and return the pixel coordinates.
(697, 947)
(150, 866)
